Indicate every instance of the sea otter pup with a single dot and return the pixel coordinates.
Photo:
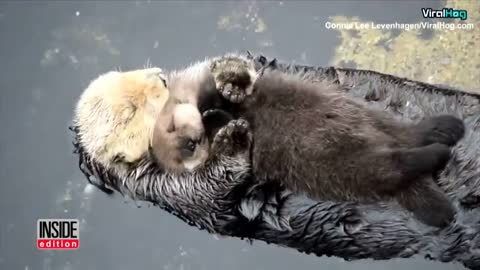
(316, 140)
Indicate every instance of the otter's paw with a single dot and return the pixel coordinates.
(444, 129)
(234, 138)
(213, 120)
(216, 116)
(234, 78)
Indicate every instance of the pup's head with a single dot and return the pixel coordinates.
(116, 114)
(179, 141)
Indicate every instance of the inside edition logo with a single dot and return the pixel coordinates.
(57, 234)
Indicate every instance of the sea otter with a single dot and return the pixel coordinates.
(318, 227)
(194, 86)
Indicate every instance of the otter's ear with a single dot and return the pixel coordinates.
(128, 111)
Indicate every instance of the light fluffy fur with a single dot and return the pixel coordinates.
(116, 113)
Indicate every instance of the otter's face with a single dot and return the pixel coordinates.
(116, 114)
(179, 141)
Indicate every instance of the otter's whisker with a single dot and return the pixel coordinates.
(147, 64)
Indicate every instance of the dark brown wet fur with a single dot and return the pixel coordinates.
(317, 141)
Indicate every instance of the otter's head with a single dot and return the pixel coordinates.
(179, 142)
(116, 114)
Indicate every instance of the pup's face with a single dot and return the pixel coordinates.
(117, 112)
(179, 142)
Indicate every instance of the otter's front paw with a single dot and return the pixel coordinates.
(444, 129)
(213, 120)
(234, 138)
(234, 78)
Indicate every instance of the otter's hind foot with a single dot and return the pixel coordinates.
(234, 77)
(234, 138)
(428, 203)
(424, 160)
(444, 129)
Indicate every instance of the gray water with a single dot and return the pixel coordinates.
(49, 51)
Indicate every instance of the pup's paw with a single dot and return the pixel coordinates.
(234, 77)
(444, 129)
(213, 120)
(234, 138)
(218, 115)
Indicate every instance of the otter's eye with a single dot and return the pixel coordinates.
(191, 145)
(160, 76)
(164, 81)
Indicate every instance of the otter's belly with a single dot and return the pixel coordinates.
(308, 154)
